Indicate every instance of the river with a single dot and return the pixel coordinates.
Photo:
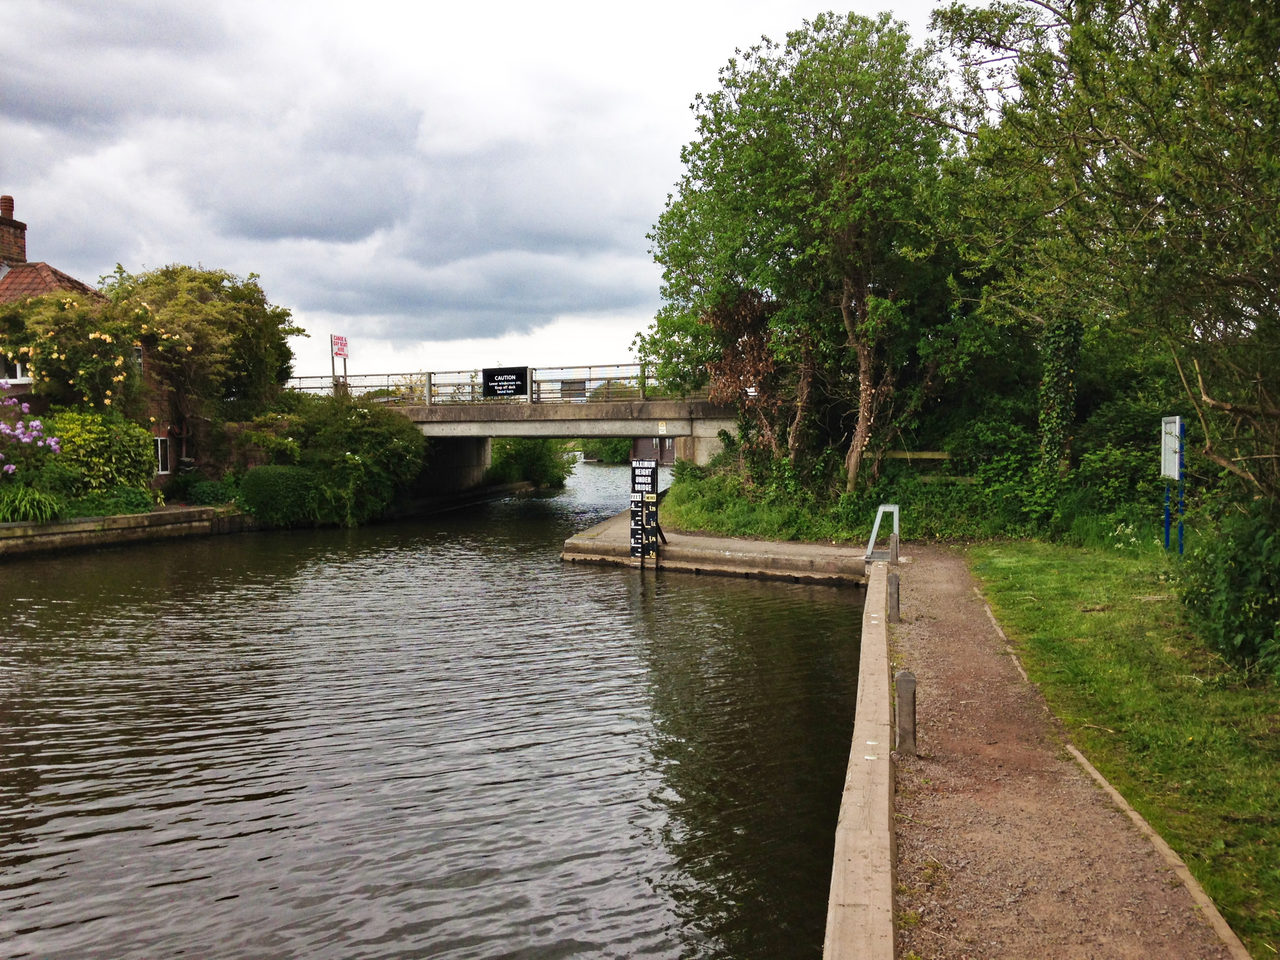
(428, 739)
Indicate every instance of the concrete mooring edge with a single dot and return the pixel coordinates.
(860, 906)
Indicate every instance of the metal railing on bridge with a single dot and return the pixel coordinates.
(622, 381)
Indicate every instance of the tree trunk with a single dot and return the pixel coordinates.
(804, 394)
(853, 310)
(866, 413)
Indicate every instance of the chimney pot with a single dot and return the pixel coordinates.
(13, 234)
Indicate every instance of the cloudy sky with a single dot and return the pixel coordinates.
(450, 185)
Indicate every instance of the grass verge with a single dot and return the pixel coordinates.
(1193, 744)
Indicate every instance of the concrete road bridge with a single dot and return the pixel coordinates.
(461, 411)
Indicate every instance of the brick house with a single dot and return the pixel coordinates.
(21, 278)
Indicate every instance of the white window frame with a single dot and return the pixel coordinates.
(22, 372)
(164, 462)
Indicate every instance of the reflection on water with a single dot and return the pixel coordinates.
(422, 740)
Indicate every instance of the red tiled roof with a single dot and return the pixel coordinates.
(36, 279)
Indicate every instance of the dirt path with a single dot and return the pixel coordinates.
(1006, 847)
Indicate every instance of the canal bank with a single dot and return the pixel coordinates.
(22, 539)
(179, 520)
(609, 543)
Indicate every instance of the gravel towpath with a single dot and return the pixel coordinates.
(1007, 848)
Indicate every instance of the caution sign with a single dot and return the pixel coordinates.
(505, 382)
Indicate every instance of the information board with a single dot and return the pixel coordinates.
(1170, 447)
(506, 381)
(339, 345)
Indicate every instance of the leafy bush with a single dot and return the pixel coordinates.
(113, 502)
(607, 449)
(361, 455)
(1230, 581)
(281, 496)
(58, 477)
(207, 493)
(725, 499)
(277, 449)
(545, 463)
(177, 487)
(20, 503)
(101, 451)
(79, 350)
(199, 490)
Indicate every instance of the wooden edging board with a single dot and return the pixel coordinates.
(860, 906)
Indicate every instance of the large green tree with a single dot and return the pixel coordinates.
(1126, 187)
(797, 247)
(216, 341)
(212, 340)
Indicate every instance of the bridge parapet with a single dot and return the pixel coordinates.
(590, 384)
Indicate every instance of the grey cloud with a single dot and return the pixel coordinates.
(130, 24)
(359, 127)
(67, 65)
(499, 293)
(340, 176)
(545, 199)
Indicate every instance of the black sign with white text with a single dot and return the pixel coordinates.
(506, 381)
(644, 509)
(644, 476)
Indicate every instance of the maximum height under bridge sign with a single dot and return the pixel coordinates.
(644, 510)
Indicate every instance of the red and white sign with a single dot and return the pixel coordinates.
(339, 346)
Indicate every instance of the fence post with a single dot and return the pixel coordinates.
(894, 615)
(904, 712)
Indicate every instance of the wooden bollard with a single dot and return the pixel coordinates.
(892, 599)
(893, 548)
(904, 712)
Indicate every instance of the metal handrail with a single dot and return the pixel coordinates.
(875, 530)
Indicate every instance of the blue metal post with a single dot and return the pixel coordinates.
(1182, 481)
